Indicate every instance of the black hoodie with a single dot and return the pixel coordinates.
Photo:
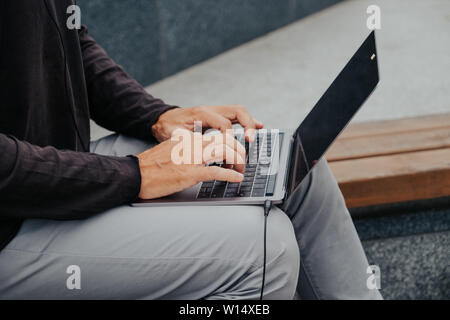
(52, 81)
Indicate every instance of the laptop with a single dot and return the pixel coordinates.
(277, 162)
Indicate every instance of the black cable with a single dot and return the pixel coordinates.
(267, 208)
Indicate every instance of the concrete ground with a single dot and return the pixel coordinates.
(279, 78)
(411, 247)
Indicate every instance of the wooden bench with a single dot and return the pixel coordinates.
(393, 161)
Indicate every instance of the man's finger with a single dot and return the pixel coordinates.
(243, 117)
(211, 119)
(231, 141)
(220, 174)
(227, 139)
(259, 124)
(247, 121)
(218, 153)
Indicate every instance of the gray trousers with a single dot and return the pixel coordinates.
(192, 252)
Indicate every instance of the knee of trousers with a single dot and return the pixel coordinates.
(282, 254)
(283, 257)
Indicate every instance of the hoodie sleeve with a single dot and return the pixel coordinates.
(117, 101)
(46, 183)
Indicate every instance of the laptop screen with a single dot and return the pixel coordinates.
(335, 109)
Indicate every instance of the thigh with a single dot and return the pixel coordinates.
(147, 253)
(333, 262)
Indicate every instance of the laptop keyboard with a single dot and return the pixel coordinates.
(258, 179)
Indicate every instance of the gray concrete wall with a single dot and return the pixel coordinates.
(153, 39)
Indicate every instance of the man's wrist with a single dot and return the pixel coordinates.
(159, 129)
(156, 129)
(131, 186)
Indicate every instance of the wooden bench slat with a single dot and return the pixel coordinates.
(386, 144)
(396, 126)
(394, 178)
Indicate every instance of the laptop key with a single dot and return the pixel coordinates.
(246, 184)
(250, 173)
(232, 194)
(248, 179)
(217, 194)
(262, 175)
(265, 161)
(260, 180)
(271, 185)
(245, 194)
(260, 186)
(203, 196)
(259, 193)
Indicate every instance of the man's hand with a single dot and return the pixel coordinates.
(215, 117)
(160, 176)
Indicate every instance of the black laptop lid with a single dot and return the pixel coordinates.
(334, 110)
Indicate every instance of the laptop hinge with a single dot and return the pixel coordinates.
(293, 160)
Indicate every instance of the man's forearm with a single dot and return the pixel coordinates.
(46, 183)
